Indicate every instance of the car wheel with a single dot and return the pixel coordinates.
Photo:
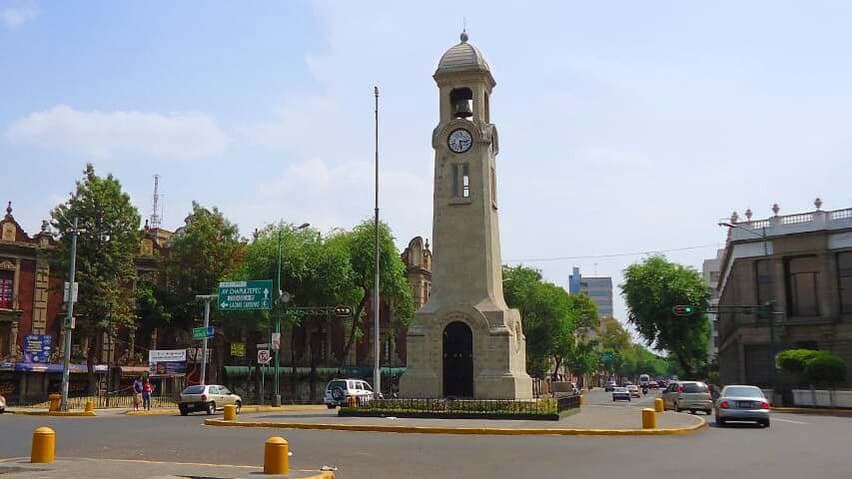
(211, 408)
(183, 410)
(720, 422)
(330, 406)
(239, 406)
(707, 412)
(692, 411)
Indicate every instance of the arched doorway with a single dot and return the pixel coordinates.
(458, 360)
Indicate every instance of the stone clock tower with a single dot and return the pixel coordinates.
(465, 342)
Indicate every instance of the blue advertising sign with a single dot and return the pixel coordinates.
(37, 348)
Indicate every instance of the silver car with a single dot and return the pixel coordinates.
(688, 395)
(207, 398)
(742, 403)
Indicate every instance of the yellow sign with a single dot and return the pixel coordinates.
(238, 350)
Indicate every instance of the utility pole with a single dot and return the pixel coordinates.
(377, 373)
(69, 306)
(206, 298)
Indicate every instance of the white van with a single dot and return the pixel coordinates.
(644, 379)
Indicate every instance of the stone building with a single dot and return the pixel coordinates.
(465, 341)
(801, 262)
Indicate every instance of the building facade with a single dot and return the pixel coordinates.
(803, 264)
(599, 289)
(711, 271)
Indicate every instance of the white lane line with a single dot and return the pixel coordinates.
(789, 420)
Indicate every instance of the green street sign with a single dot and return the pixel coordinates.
(202, 332)
(245, 295)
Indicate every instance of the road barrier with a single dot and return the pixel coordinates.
(659, 405)
(90, 406)
(230, 412)
(649, 418)
(276, 456)
(44, 446)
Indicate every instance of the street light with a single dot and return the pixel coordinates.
(771, 303)
(282, 298)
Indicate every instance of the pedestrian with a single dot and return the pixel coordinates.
(147, 391)
(137, 393)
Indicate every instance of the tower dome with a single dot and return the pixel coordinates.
(462, 57)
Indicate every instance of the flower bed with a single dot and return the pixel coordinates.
(543, 409)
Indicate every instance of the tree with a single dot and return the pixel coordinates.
(394, 288)
(583, 358)
(106, 249)
(652, 288)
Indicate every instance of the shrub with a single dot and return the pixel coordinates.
(794, 360)
(825, 367)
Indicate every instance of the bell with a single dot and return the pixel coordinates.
(461, 108)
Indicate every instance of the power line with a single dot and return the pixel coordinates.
(612, 255)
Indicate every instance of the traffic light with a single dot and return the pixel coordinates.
(683, 310)
(342, 311)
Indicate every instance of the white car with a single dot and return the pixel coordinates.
(338, 392)
(634, 390)
(207, 398)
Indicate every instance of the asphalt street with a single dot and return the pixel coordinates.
(795, 446)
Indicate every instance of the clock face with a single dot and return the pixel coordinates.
(460, 140)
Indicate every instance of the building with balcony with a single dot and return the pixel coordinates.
(801, 262)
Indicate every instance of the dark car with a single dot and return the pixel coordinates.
(611, 385)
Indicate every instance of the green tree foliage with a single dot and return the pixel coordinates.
(106, 248)
(394, 288)
(652, 288)
(204, 251)
(550, 317)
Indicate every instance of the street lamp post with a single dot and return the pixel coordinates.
(771, 303)
(69, 305)
(282, 299)
(377, 374)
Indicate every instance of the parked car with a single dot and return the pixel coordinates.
(620, 393)
(2, 404)
(207, 398)
(634, 391)
(688, 395)
(610, 385)
(338, 392)
(653, 385)
(742, 403)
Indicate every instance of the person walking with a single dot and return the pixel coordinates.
(147, 391)
(137, 393)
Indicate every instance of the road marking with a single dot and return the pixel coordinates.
(789, 420)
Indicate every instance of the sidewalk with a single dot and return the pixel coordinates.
(131, 469)
(592, 419)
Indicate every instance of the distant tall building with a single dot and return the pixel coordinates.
(711, 270)
(599, 288)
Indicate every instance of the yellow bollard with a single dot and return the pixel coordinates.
(55, 402)
(44, 445)
(230, 412)
(649, 419)
(90, 406)
(659, 406)
(582, 400)
(276, 458)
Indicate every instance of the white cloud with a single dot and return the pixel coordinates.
(14, 17)
(106, 135)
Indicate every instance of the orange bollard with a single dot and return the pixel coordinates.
(276, 456)
(44, 446)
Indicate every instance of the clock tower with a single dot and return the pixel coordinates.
(465, 342)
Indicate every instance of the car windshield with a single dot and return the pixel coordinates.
(620, 390)
(198, 389)
(336, 384)
(743, 391)
(695, 388)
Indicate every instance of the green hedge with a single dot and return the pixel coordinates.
(814, 367)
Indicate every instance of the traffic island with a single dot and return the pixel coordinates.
(591, 421)
(140, 469)
(243, 410)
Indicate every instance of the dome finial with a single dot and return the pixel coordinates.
(463, 36)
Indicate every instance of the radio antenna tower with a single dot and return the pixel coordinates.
(155, 215)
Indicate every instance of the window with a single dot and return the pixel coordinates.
(7, 281)
(803, 285)
(844, 278)
(461, 177)
(763, 279)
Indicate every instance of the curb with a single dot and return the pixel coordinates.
(814, 411)
(488, 431)
(55, 413)
(244, 409)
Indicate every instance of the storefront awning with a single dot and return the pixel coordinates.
(133, 370)
(50, 368)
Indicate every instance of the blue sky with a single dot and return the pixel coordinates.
(624, 126)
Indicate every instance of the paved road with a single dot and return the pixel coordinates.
(794, 447)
